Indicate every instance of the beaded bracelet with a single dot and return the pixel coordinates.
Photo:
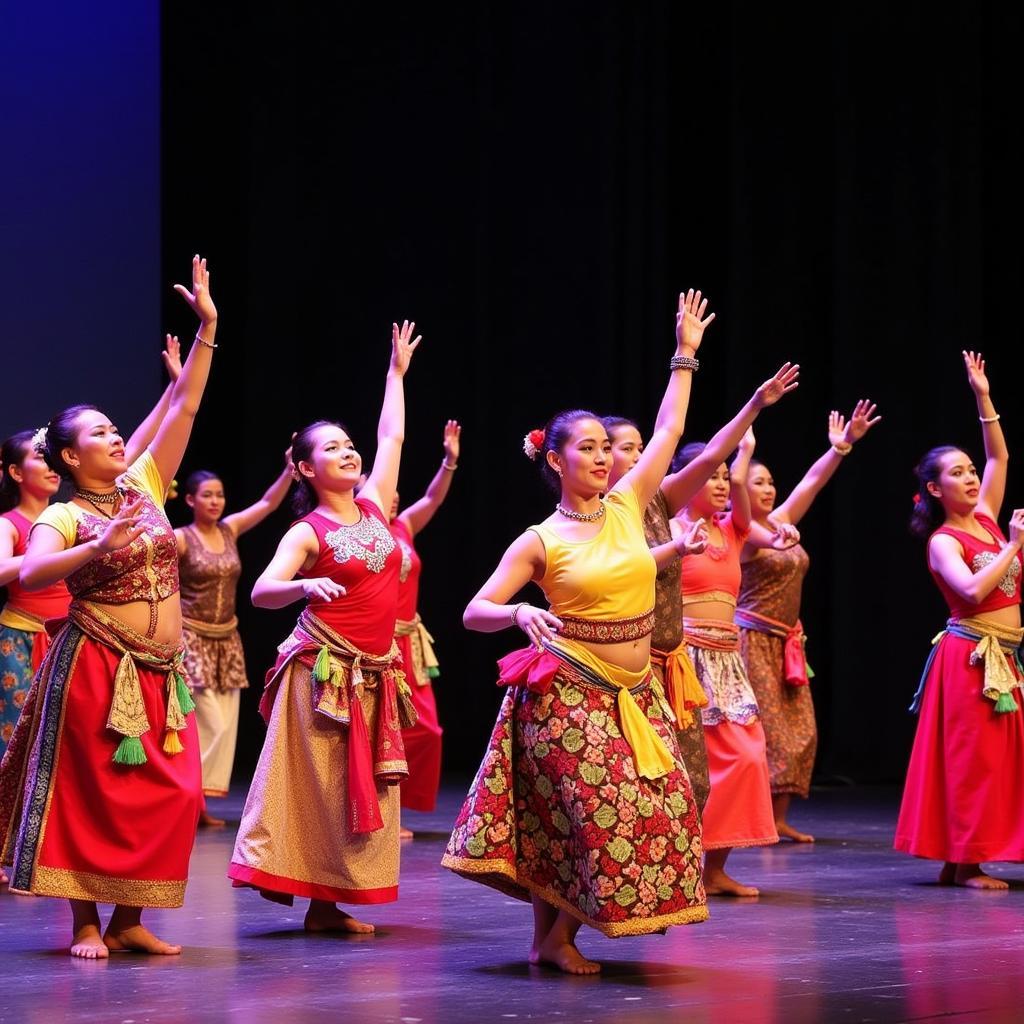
(516, 610)
(842, 448)
(989, 419)
(451, 469)
(684, 363)
(208, 344)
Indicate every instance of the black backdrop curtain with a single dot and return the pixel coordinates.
(534, 184)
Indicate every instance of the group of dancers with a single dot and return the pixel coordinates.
(659, 717)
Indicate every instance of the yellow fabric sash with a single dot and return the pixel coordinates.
(991, 651)
(684, 689)
(424, 659)
(652, 757)
(15, 618)
(211, 630)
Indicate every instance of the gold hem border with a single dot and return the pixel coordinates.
(612, 930)
(129, 892)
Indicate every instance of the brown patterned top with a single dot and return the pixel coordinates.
(772, 584)
(668, 605)
(209, 579)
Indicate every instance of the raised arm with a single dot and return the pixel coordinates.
(490, 611)
(382, 482)
(145, 432)
(172, 435)
(945, 556)
(997, 455)
(646, 476)
(842, 436)
(417, 515)
(277, 585)
(738, 496)
(680, 487)
(48, 558)
(240, 522)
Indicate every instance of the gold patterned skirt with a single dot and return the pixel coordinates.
(558, 810)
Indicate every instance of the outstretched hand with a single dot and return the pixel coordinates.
(452, 438)
(199, 297)
(786, 380)
(172, 356)
(862, 419)
(403, 345)
(691, 322)
(975, 366)
(122, 529)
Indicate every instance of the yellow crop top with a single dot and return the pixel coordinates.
(608, 577)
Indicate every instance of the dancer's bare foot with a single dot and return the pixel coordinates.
(969, 876)
(718, 883)
(207, 820)
(326, 917)
(137, 938)
(556, 952)
(405, 833)
(786, 831)
(87, 944)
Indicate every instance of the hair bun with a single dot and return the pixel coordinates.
(532, 444)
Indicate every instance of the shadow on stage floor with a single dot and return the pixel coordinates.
(847, 931)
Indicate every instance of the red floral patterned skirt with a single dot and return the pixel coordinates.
(557, 810)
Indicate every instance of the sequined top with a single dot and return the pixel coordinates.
(146, 569)
(409, 574)
(46, 603)
(366, 561)
(209, 579)
(714, 574)
(977, 554)
(668, 602)
(609, 576)
(773, 582)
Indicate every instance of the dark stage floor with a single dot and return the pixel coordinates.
(847, 931)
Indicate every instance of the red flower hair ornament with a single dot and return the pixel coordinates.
(532, 444)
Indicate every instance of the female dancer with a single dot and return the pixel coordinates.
(964, 797)
(422, 740)
(669, 660)
(321, 818)
(768, 614)
(581, 804)
(738, 811)
(209, 568)
(99, 794)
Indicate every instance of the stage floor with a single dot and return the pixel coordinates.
(846, 930)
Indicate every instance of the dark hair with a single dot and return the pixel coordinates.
(928, 512)
(61, 433)
(686, 455)
(556, 434)
(305, 498)
(196, 480)
(611, 422)
(13, 453)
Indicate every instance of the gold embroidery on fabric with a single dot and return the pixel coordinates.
(608, 631)
(368, 540)
(127, 709)
(1008, 584)
(130, 892)
(710, 595)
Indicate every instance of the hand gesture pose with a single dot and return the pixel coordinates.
(537, 624)
(402, 346)
(452, 438)
(691, 322)
(323, 588)
(975, 366)
(786, 380)
(172, 356)
(784, 536)
(862, 419)
(122, 529)
(199, 297)
(693, 540)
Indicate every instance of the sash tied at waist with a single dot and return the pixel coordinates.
(684, 690)
(796, 670)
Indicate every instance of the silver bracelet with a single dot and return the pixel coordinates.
(684, 363)
(989, 419)
(208, 344)
(516, 610)
(451, 469)
(843, 448)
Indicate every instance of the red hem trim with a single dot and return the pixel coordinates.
(242, 875)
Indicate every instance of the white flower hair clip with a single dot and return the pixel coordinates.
(39, 441)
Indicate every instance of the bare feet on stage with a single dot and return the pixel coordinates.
(405, 833)
(326, 917)
(780, 808)
(127, 934)
(970, 876)
(717, 882)
(86, 943)
(554, 934)
(207, 820)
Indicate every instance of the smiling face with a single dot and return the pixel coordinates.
(761, 489)
(584, 462)
(97, 455)
(207, 503)
(627, 447)
(34, 477)
(333, 465)
(713, 496)
(958, 486)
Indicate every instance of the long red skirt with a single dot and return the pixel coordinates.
(422, 741)
(85, 827)
(963, 801)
